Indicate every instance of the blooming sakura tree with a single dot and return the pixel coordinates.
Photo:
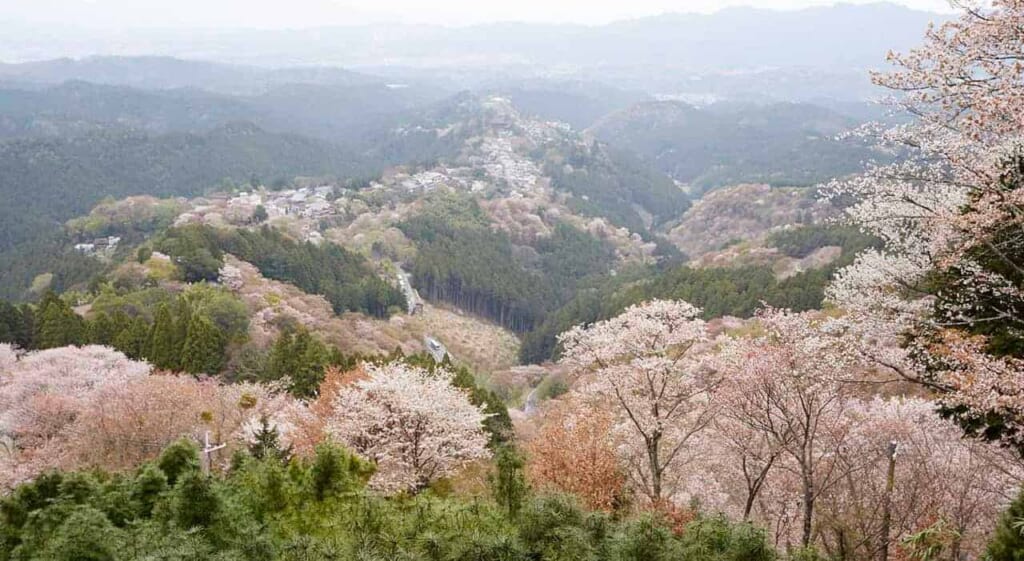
(72, 408)
(413, 423)
(646, 366)
(938, 478)
(43, 393)
(783, 396)
(951, 212)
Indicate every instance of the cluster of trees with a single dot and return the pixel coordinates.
(734, 291)
(461, 259)
(50, 180)
(771, 424)
(189, 332)
(346, 279)
(612, 183)
(783, 144)
(318, 508)
(950, 278)
(91, 406)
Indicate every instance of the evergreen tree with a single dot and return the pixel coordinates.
(1007, 543)
(508, 483)
(150, 482)
(102, 330)
(204, 347)
(133, 341)
(164, 346)
(196, 504)
(179, 458)
(57, 324)
(14, 328)
(266, 443)
(85, 535)
(301, 358)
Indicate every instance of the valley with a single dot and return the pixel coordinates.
(681, 286)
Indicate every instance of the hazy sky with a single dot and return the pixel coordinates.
(307, 13)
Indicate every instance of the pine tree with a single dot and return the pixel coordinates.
(1007, 542)
(204, 347)
(266, 443)
(196, 503)
(300, 357)
(164, 347)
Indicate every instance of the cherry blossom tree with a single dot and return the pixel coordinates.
(646, 366)
(73, 408)
(413, 423)
(950, 212)
(938, 478)
(784, 393)
(43, 393)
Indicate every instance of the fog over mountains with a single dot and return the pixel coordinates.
(745, 52)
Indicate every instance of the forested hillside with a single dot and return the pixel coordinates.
(779, 144)
(47, 181)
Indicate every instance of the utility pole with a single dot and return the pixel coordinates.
(890, 482)
(207, 450)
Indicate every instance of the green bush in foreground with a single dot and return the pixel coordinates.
(318, 509)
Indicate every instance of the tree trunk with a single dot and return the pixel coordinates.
(805, 539)
(652, 456)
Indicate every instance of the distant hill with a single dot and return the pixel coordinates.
(77, 107)
(735, 53)
(165, 73)
(338, 113)
(47, 181)
(779, 144)
(576, 102)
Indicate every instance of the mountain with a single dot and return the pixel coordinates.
(165, 73)
(338, 113)
(76, 107)
(781, 144)
(785, 55)
(49, 180)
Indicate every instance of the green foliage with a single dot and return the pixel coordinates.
(782, 144)
(318, 509)
(460, 259)
(266, 442)
(801, 242)
(1007, 542)
(195, 501)
(612, 183)
(463, 260)
(17, 325)
(508, 482)
(57, 325)
(301, 358)
(204, 348)
(164, 346)
(134, 340)
(336, 472)
(736, 291)
(194, 249)
(178, 459)
(346, 279)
